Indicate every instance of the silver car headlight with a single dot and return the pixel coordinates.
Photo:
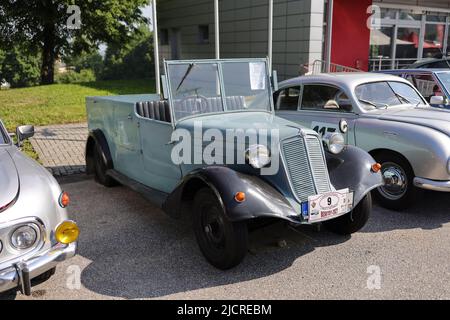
(24, 237)
(258, 156)
(334, 142)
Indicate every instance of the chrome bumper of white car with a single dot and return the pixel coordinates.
(20, 274)
(443, 186)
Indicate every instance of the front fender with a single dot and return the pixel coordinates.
(352, 168)
(262, 200)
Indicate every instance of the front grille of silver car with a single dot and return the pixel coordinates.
(306, 167)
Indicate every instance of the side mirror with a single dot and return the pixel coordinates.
(23, 133)
(437, 100)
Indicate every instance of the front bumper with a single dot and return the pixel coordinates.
(20, 274)
(443, 186)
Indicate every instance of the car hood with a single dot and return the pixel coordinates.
(244, 121)
(9, 179)
(435, 118)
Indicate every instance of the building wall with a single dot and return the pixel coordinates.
(297, 35)
(350, 35)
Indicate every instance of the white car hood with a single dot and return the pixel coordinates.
(9, 179)
(435, 118)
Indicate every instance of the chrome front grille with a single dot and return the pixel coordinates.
(306, 167)
(318, 165)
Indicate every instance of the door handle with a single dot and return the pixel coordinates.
(130, 117)
(171, 143)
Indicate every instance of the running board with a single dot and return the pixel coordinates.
(156, 197)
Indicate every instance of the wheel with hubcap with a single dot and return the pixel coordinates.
(100, 169)
(398, 191)
(222, 242)
(352, 221)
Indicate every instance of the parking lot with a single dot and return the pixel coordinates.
(129, 249)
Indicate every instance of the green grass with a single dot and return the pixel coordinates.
(60, 103)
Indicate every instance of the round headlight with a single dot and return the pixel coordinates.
(258, 156)
(67, 232)
(24, 237)
(334, 142)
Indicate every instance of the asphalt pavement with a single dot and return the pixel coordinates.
(129, 249)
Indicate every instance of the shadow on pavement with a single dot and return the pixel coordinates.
(430, 211)
(139, 252)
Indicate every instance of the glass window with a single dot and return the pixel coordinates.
(426, 85)
(324, 98)
(164, 37)
(406, 93)
(407, 15)
(434, 40)
(195, 89)
(445, 79)
(246, 86)
(407, 46)
(387, 13)
(203, 34)
(380, 48)
(288, 99)
(385, 94)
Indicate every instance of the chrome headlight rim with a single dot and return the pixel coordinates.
(334, 142)
(37, 232)
(448, 166)
(258, 156)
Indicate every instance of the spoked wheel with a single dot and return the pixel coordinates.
(222, 242)
(398, 191)
(100, 169)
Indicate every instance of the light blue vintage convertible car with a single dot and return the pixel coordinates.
(382, 114)
(214, 150)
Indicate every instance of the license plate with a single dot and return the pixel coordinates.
(330, 205)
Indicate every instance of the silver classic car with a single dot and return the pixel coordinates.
(382, 114)
(35, 232)
(214, 151)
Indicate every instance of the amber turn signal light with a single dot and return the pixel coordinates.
(376, 167)
(239, 197)
(64, 199)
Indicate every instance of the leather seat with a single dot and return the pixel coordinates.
(156, 110)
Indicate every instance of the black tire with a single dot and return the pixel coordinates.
(395, 199)
(354, 220)
(100, 169)
(222, 242)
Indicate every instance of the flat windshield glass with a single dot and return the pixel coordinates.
(445, 79)
(195, 88)
(246, 86)
(385, 94)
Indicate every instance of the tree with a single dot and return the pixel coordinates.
(44, 25)
(131, 60)
(19, 67)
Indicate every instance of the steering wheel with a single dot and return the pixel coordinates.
(201, 105)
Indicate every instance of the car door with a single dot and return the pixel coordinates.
(321, 107)
(159, 172)
(127, 160)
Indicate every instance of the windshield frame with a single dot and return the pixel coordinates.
(423, 101)
(4, 134)
(219, 63)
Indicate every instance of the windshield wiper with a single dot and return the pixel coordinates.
(402, 98)
(373, 103)
(191, 65)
